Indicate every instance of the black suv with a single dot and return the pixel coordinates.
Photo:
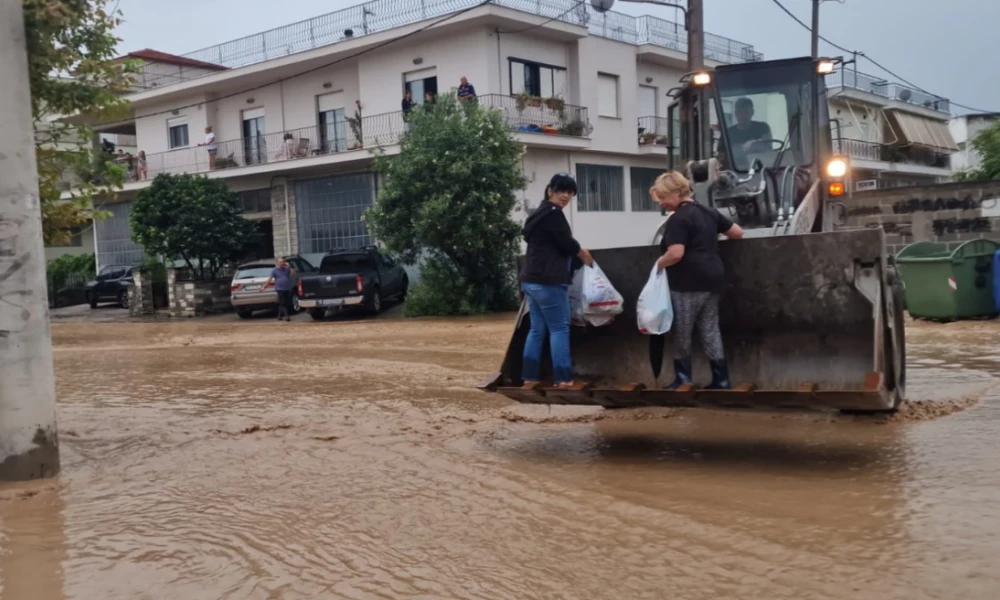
(111, 285)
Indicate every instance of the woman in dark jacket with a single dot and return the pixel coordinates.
(545, 280)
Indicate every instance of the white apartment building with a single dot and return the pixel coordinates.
(282, 105)
(895, 135)
(964, 129)
(296, 111)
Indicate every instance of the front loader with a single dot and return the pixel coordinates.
(812, 315)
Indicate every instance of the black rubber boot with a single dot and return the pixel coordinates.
(682, 373)
(720, 375)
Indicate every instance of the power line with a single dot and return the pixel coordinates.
(312, 70)
(871, 60)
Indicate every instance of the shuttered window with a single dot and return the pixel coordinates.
(601, 188)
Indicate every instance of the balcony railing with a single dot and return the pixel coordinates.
(876, 151)
(371, 131)
(382, 15)
(540, 115)
(887, 89)
(653, 131)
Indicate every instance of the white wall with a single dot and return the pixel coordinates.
(380, 73)
(663, 79)
(151, 131)
(597, 55)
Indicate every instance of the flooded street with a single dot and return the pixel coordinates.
(265, 460)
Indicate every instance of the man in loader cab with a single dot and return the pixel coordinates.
(746, 131)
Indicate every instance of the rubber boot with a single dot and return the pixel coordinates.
(682, 373)
(720, 375)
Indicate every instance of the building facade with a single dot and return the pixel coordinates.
(964, 129)
(295, 111)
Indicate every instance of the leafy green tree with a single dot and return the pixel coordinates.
(70, 50)
(194, 219)
(447, 199)
(987, 145)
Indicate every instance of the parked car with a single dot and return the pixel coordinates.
(111, 285)
(247, 293)
(363, 278)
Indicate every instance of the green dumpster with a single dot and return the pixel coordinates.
(947, 285)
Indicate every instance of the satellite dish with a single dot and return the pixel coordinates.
(602, 6)
(905, 95)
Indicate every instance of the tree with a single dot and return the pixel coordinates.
(987, 146)
(70, 50)
(447, 198)
(194, 219)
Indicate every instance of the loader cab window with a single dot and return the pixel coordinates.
(766, 115)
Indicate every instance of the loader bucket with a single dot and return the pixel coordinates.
(808, 321)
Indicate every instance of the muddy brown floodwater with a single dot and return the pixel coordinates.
(266, 460)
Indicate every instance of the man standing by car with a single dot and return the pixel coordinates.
(281, 277)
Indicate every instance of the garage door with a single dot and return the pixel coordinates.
(329, 212)
(114, 237)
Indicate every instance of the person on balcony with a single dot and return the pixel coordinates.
(466, 91)
(210, 146)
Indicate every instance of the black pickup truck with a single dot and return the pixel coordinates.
(362, 278)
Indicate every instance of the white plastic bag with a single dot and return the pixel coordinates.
(655, 312)
(601, 301)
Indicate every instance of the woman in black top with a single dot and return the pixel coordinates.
(690, 248)
(545, 279)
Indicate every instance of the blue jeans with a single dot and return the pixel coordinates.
(548, 306)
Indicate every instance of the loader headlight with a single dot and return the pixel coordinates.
(837, 167)
(701, 78)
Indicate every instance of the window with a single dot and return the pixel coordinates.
(537, 79)
(421, 82)
(255, 201)
(332, 122)
(643, 179)
(607, 95)
(601, 188)
(647, 101)
(254, 142)
(177, 133)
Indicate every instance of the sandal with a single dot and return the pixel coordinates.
(564, 385)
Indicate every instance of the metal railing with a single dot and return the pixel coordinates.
(887, 89)
(653, 131)
(877, 151)
(370, 132)
(540, 115)
(382, 15)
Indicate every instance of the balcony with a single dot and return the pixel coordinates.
(383, 15)
(886, 89)
(879, 152)
(372, 131)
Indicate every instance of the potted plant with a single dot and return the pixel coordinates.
(555, 104)
(576, 128)
(525, 99)
(647, 139)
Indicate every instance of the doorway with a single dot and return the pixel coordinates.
(420, 82)
(254, 142)
(265, 240)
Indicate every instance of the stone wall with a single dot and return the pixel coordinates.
(284, 228)
(146, 296)
(196, 298)
(951, 213)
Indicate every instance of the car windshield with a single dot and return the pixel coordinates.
(766, 114)
(254, 272)
(340, 264)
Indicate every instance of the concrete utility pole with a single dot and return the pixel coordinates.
(29, 446)
(696, 35)
(815, 29)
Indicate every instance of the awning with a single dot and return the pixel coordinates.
(921, 131)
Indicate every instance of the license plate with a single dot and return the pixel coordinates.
(252, 288)
(331, 302)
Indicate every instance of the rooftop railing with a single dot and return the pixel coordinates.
(382, 15)
(887, 89)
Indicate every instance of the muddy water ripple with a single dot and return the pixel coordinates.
(351, 460)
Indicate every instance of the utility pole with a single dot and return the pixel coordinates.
(29, 446)
(815, 29)
(696, 35)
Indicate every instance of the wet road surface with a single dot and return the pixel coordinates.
(268, 460)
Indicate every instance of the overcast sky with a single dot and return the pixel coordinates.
(948, 47)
